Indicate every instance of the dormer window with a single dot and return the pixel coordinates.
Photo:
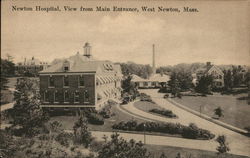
(66, 65)
(66, 68)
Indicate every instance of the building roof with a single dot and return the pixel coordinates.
(32, 61)
(159, 78)
(136, 78)
(206, 69)
(80, 63)
(152, 78)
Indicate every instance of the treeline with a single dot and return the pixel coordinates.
(141, 70)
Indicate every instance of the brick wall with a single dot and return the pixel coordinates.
(89, 81)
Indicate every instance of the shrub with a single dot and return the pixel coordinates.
(119, 147)
(95, 119)
(167, 113)
(145, 97)
(223, 144)
(81, 132)
(44, 137)
(63, 138)
(191, 131)
(106, 112)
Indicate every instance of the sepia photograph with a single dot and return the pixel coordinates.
(125, 79)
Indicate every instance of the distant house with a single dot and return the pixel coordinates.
(80, 82)
(32, 66)
(154, 81)
(209, 69)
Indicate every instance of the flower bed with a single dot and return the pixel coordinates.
(167, 113)
(191, 131)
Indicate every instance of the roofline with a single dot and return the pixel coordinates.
(68, 73)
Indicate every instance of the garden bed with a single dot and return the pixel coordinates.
(190, 132)
(154, 109)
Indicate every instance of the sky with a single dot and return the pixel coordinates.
(219, 32)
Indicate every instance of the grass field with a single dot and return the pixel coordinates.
(68, 121)
(236, 112)
(147, 106)
(171, 152)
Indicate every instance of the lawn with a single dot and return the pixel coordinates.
(171, 152)
(147, 106)
(7, 95)
(236, 112)
(68, 121)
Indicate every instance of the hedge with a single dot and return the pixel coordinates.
(167, 113)
(95, 119)
(191, 131)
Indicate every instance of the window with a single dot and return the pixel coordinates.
(86, 96)
(51, 81)
(145, 83)
(153, 83)
(66, 81)
(46, 96)
(76, 97)
(81, 81)
(66, 96)
(66, 68)
(56, 97)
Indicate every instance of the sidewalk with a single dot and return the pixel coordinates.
(6, 106)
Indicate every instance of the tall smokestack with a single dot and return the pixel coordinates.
(153, 64)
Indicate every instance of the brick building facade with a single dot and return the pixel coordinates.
(80, 81)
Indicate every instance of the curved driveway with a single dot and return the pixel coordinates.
(238, 143)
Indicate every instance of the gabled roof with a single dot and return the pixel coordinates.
(206, 69)
(136, 78)
(80, 63)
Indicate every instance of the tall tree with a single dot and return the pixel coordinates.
(81, 132)
(204, 84)
(228, 80)
(7, 68)
(27, 112)
(174, 84)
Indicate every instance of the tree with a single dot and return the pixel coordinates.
(143, 71)
(117, 147)
(223, 145)
(219, 112)
(204, 84)
(163, 155)
(228, 80)
(81, 132)
(129, 87)
(174, 84)
(7, 68)
(27, 112)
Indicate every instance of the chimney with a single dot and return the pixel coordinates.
(87, 50)
(153, 64)
(24, 61)
(208, 64)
